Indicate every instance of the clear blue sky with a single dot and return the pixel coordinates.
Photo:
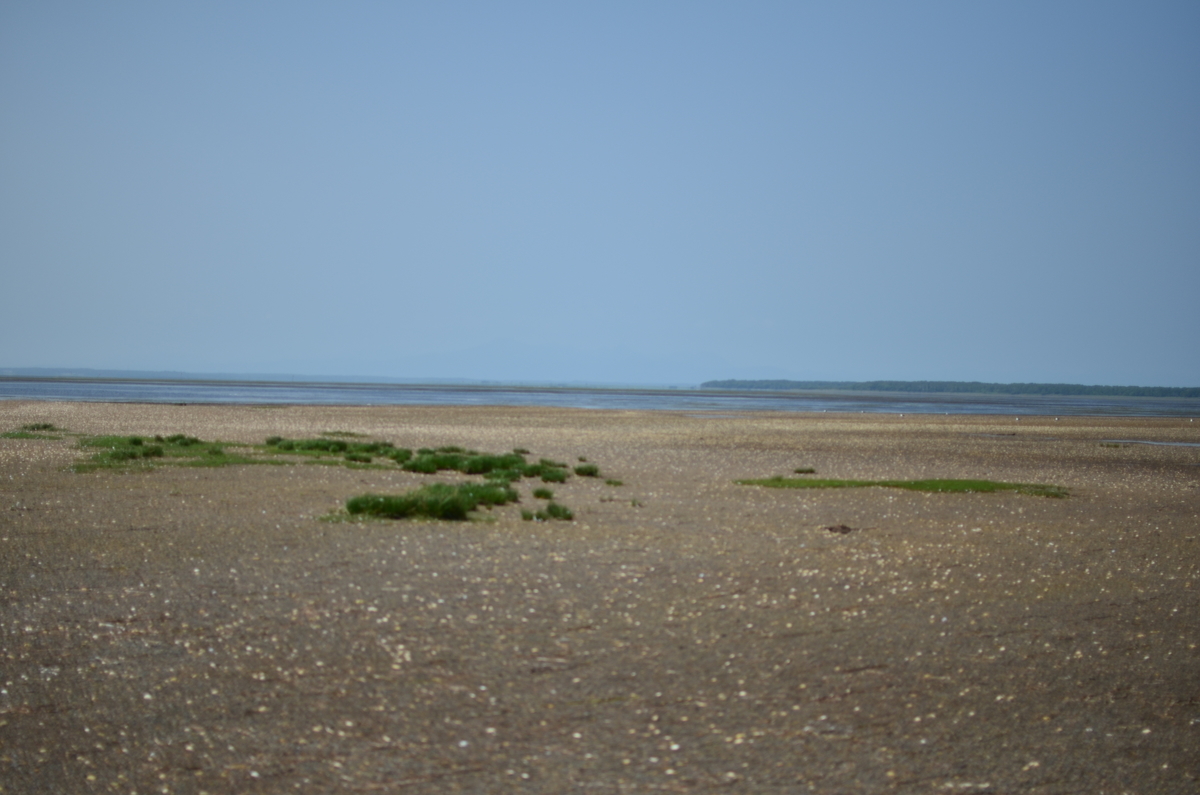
(649, 192)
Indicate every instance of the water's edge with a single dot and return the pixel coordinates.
(299, 393)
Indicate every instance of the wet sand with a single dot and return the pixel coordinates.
(205, 630)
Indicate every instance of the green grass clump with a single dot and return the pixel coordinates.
(556, 511)
(469, 462)
(505, 475)
(32, 431)
(504, 468)
(805, 471)
(548, 471)
(552, 511)
(543, 494)
(553, 475)
(613, 482)
(124, 452)
(587, 471)
(940, 486)
(435, 461)
(486, 464)
(328, 446)
(217, 457)
(434, 501)
(131, 453)
(311, 445)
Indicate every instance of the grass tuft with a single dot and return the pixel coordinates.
(434, 501)
(552, 511)
(554, 475)
(587, 471)
(556, 511)
(543, 494)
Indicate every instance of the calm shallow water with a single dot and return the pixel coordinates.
(706, 400)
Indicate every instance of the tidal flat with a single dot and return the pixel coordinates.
(232, 629)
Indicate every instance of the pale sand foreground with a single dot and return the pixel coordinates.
(203, 630)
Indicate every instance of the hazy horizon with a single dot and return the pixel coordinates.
(609, 193)
(100, 374)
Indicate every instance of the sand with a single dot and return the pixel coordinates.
(206, 630)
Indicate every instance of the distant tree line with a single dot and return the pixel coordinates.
(964, 387)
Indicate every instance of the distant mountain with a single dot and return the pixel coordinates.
(963, 387)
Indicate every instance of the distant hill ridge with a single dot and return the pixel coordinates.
(964, 387)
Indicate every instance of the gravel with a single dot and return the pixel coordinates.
(210, 630)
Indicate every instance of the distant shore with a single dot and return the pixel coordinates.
(962, 388)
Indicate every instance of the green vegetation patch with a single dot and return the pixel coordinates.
(328, 446)
(34, 430)
(125, 452)
(556, 511)
(470, 462)
(940, 486)
(349, 449)
(552, 511)
(435, 501)
(549, 474)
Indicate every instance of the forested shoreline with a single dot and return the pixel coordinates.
(961, 387)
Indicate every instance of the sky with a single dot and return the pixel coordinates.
(604, 192)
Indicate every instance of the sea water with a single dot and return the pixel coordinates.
(692, 400)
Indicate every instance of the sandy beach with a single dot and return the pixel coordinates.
(211, 630)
